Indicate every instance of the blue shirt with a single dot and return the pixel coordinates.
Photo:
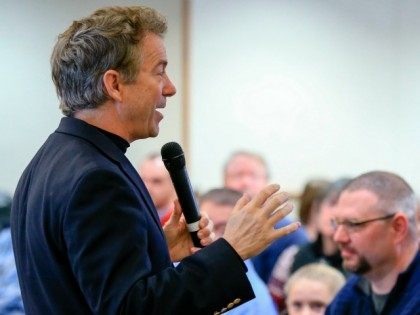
(10, 299)
(265, 261)
(404, 298)
(263, 303)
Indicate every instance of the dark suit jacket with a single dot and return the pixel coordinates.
(87, 238)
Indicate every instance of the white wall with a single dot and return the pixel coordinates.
(29, 106)
(320, 88)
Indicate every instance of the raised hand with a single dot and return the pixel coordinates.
(250, 228)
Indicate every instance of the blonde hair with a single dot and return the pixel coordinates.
(107, 39)
(332, 278)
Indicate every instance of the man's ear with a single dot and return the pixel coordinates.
(113, 83)
(400, 226)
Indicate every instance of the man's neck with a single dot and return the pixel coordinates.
(383, 280)
(104, 117)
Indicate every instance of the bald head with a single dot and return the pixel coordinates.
(246, 172)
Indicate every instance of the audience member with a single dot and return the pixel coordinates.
(218, 204)
(158, 183)
(309, 204)
(311, 288)
(376, 231)
(322, 249)
(86, 235)
(247, 172)
(10, 298)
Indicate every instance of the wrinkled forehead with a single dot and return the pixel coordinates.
(152, 51)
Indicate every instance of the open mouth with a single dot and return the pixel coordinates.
(159, 108)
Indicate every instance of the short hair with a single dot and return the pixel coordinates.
(331, 277)
(105, 40)
(221, 196)
(334, 190)
(393, 193)
(249, 154)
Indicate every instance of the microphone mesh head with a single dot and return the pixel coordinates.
(171, 150)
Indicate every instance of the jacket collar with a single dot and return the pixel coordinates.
(81, 129)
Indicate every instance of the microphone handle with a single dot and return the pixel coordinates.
(195, 239)
(187, 201)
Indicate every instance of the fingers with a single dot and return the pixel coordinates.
(280, 213)
(176, 214)
(206, 234)
(208, 240)
(264, 194)
(274, 202)
(204, 221)
(206, 226)
(242, 202)
(277, 233)
(205, 231)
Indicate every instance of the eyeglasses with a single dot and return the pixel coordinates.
(351, 226)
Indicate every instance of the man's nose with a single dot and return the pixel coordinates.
(169, 89)
(340, 234)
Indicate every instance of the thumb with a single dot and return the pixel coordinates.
(176, 214)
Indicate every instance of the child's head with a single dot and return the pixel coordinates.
(311, 288)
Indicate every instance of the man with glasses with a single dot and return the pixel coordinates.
(375, 229)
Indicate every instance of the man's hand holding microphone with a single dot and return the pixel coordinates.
(249, 230)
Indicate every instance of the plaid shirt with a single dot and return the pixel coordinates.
(10, 299)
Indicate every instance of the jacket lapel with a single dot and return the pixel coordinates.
(81, 129)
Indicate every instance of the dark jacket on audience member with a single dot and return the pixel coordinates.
(404, 298)
(312, 253)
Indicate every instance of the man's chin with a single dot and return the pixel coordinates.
(359, 267)
(150, 134)
(154, 133)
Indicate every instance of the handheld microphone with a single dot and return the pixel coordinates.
(174, 160)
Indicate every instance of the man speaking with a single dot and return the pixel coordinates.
(86, 235)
